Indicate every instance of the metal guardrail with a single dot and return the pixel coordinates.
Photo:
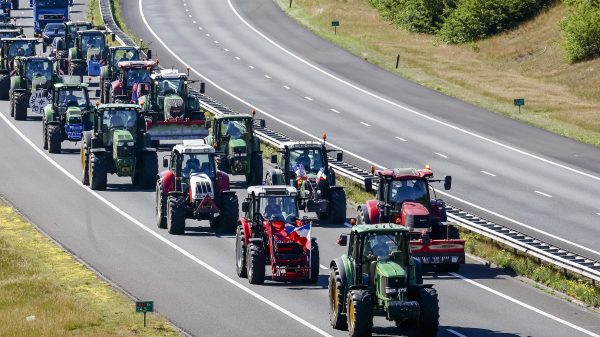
(524, 243)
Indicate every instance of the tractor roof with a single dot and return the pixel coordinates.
(78, 23)
(232, 116)
(36, 58)
(123, 48)
(277, 190)
(70, 85)
(379, 228)
(194, 146)
(404, 173)
(91, 32)
(168, 73)
(9, 30)
(118, 106)
(301, 145)
(13, 39)
(136, 64)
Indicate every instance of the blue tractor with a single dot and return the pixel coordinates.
(47, 11)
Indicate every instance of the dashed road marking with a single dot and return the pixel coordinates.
(365, 124)
(308, 98)
(251, 67)
(334, 110)
(286, 87)
(441, 155)
(237, 58)
(489, 174)
(267, 76)
(544, 194)
(401, 139)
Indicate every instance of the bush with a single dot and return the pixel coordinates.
(581, 31)
(419, 16)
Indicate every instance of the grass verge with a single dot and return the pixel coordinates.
(93, 14)
(45, 292)
(526, 62)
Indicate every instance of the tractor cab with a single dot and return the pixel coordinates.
(133, 81)
(92, 44)
(122, 54)
(19, 46)
(118, 125)
(10, 33)
(71, 95)
(194, 157)
(37, 71)
(71, 30)
(275, 203)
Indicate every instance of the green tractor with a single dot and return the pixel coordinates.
(305, 165)
(60, 46)
(89, 52)
(29, 85)
(233, 135)
(110, 71)
(70, 114)
(9, 49)
(379, 277)
(116, 145)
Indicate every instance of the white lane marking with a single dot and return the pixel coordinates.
(544, 194)
(267, 76)
(334, 110)
(207, 34)
(194, 21)
(420, 114)
(200, 28)
(597, 213)
(441, 155)
(225, 49)
(217, 42)
(184, 5)
(489, 174)
(251, 67)
(400, 138)
(525, 305)
(323, 267)
(187, 10)
(163, 239)
(365, 124)
(308, 134)
(237, 58)
(455, 333)
(308, 98)
(286, 87)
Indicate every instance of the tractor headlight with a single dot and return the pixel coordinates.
(391, 291)
(130, 143)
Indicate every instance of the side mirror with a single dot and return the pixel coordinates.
(339, 156)
(274, 159)
(149, 54)
(245, 207)
(448, 182)
(342, 240)
(112, 37)
(262, 123)
(202, 87)
(208, 124)
(165, 162)
(97, 92)
(369, 184)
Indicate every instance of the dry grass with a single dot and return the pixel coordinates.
(523, 63)
(39, 279)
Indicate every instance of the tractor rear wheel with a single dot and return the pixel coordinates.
(360, 313)
(20, 102)
(45, 134)
(54, 138)
(175, 215)
(256, 263)
(223, 164)
(11, 104)
(98, 171)
(85, 159)
(336, 300)
(314, 262)
(337, 206)
(254, 177)
(146, 170)
(240, 253)
(161, 219)
(229, 213)
(430, 313)
(4, 86)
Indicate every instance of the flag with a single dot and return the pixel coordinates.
(321, 175)
(134, 93)
(300, 171)
(300, 235)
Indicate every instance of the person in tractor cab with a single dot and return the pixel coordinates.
(116, 121)
(403, 192)
(273, 210)
(232, 130)
(377, 247)
(304, 160)
(192, 165)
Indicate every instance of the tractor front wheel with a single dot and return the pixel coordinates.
(337, 206)
(45, 134)
(175, 215)
(4, 86)
(85, 163)
(20, 102)
(336, 300)
(146, 169)
(360, 313)
(240, 253)
(98, 171)
(254, 177)
(54, 138)
(314, 262)
(430, 313)
(256, 263)
(161, 219)
(229, 213)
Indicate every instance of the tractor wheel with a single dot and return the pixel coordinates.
(45, 134)
(175, 215)
(146, 170)
(336, 301)
(21, 102)
(223, 164)
(314, 262)
(4, 86)
(11, 103)
(54, 138)
(98, 171)
(15, 4)
(85, 166)
(229, 214)
(360, 313)
(337, 206)
(430, 313)
(360, 219)
(161, 219)
(240, 253)
(256, 263)
(254, 177)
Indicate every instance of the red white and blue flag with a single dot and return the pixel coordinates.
(300, 235)
(321, 175)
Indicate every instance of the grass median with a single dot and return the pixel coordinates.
(45, 292)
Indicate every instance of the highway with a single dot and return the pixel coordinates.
(192, 278)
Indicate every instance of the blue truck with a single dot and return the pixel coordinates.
(46, 11)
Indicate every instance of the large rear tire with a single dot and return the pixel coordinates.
(360, 313)
(146, 170)
(54, 138)
(240, 253)
(337, 206)
(336, 291)
(314, 262)
(175, 215)
(45, 134)
(256, 263)
(161, 218)
(229, 213)
(21, 103)
(98, 171)
(254, 177)
(85, 159)
(4, 86)
(429, 319)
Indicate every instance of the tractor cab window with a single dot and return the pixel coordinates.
(73, 33)
(408, 190)
(21, 48)
(122, 55)
(51, 27)
(234, 129)
(171, 86)
(137, 76)
(279, 208)
(383, 247)
(7, 34)
(310, 159)
(38, 69)
(198, 163)
(92, 41)
(119, 119)
(72, 97)
(51, 3)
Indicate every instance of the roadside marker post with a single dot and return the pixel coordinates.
(335, 24)
(519, 102)
(144, 306)
(397, 61)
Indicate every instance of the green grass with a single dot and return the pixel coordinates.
(39, 279)
(94, 15)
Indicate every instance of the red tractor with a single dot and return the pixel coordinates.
(271, 233)
(403, 197)
(193, 188)
(133, 82)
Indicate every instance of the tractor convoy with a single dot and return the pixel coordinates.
(137, 105)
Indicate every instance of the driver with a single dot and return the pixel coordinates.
(404, 192)
(272, 210)
(304, 159)
(167, 88)
(37, 69)
(116, 121)
(379, 246)
(191, 165)
(70, 97)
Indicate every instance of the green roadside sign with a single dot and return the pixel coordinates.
(144, 306)
(335, 23)
(519, 101)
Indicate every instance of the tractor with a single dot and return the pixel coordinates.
(306, 165)
(29, 85)
(5, 9)
(234, 136)
(89, 52)
(193, 188)
(110, 71)
(10, 33)
(61, 45)
(380, 277)
(172, 111)
(70, 114)
(116, 145)
(403, 197)
(271, 233)
(9, 49)
(132, 82)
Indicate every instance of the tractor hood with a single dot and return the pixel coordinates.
(74, 115)
(237, 146)
(123, 152)
(120, 135)
(390, 269)
(174, 106)
(415, 216)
